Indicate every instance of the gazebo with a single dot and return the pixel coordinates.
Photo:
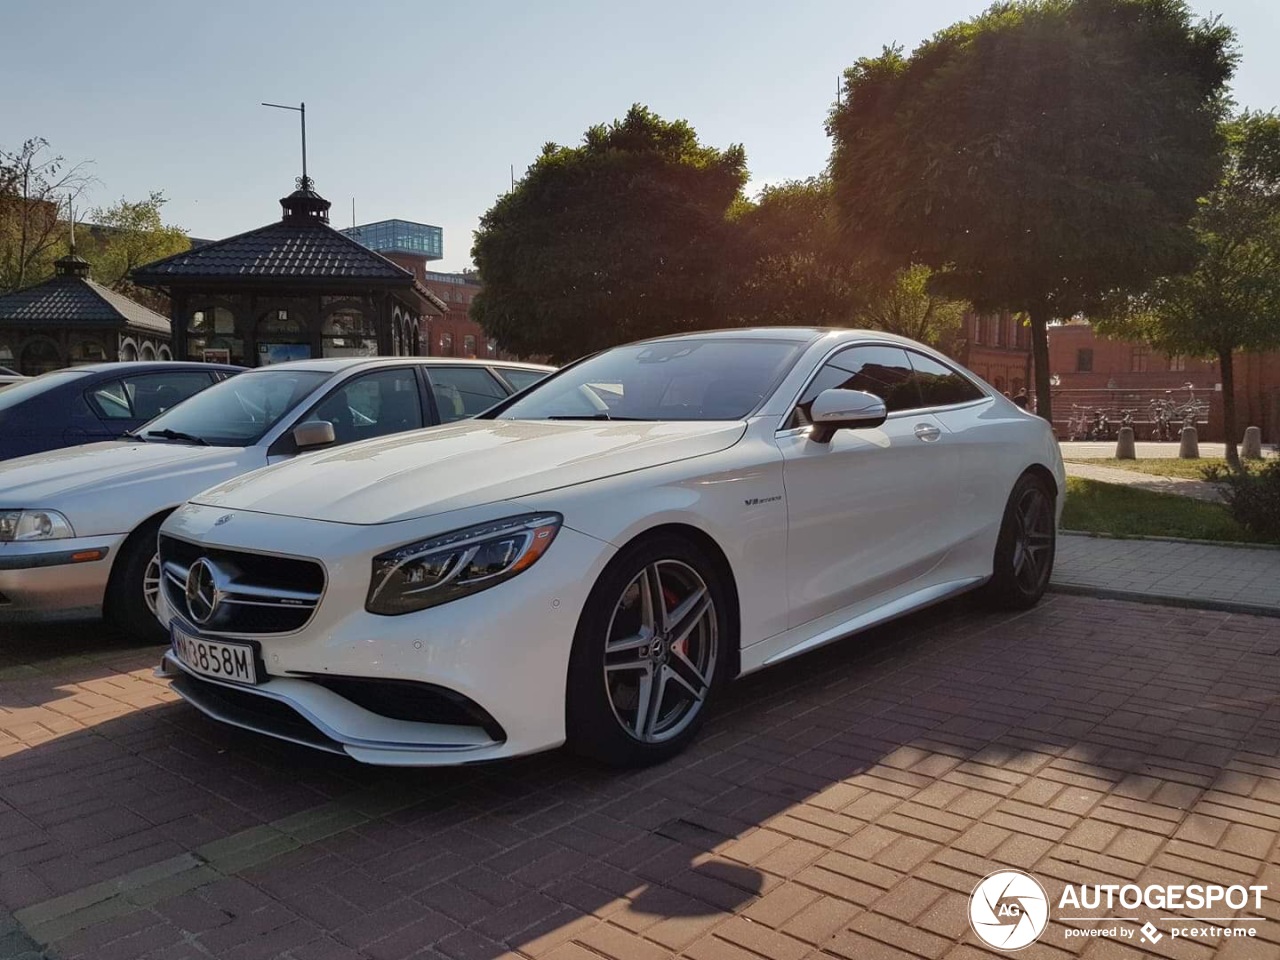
(70, 319)
(293, 289)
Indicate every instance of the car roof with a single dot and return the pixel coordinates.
(782, 334)
(141, 366)
(339, 364)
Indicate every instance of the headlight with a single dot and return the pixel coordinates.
(33, 525)
(430, 572)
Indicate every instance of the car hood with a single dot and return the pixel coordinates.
(466, 464)
(45, 479)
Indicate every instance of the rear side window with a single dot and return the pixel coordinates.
(940, 385)
(145, 396)
(520, 378)
(883, 371)
(462, 392)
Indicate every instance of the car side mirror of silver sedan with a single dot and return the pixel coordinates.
(314, 433)
(837, 409)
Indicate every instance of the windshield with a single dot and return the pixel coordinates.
(686, 379)
(236, 412)
(26, 389)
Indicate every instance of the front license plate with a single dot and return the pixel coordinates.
(216, 658)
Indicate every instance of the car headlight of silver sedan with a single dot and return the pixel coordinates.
(457, 564)
(25, 525)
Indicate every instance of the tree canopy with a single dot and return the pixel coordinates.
(618, 238)
(36, 189)
(1230, 297)
(1039, 156)
(127, 234)
(791, 265)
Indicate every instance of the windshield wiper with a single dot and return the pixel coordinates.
(178, 435)
(595, 416)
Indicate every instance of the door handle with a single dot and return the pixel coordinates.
(927, 432)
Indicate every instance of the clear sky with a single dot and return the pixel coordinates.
(419, 109)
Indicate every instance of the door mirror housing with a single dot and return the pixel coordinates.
(314, 433)
(836, 409)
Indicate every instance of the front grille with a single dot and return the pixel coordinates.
(255, 593)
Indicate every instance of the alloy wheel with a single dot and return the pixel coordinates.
(660, 651)
(151, 583)
(1033, 539)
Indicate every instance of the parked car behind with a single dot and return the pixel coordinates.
(9, 377)
(78, 526)
(591, 560)
(100, 401)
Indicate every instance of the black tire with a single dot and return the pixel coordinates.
(1025, 549)
(126, 605)
(602, 711)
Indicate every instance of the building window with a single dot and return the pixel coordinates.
(491, 347)
(1178, 361)
(997, 323)
(348, 333)
(1139, 358)
(211, 337)
(468, 346)
(1084, 360)
(446, 344)
(977, 329)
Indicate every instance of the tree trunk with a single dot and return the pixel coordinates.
(1225, 364)
(1040, 359)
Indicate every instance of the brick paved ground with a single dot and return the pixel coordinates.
(1244, 578)
(840, 806)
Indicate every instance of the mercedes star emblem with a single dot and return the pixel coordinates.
(203, 595)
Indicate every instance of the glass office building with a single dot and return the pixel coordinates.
(400, 236)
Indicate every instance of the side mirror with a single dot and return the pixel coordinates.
(835, 409)
(314, 433)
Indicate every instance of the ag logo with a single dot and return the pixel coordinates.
(1008, 910)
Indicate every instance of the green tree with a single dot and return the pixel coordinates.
(1230, 298)
(792, 265)
(1039, 156)
(621, 237)
(906, 305)
(125, 235)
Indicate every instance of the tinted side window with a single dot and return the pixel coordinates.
(883, 371)
(373, 405)
(463, 391)
(520, 378)
(146, 396)
(939, 384)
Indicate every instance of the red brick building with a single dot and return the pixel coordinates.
(1093, 371)
(414, 246)
(996, 347)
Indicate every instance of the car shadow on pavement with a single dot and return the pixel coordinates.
(841, 801)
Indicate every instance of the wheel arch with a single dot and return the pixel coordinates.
(713, 549)
(127, 544)
(1044, 474)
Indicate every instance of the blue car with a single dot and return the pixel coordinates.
(100, 401)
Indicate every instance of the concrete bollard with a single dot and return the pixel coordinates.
(1125, 449)
(1189, 449)
(1251, 449)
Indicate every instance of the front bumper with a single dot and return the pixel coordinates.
(49, 580)
(506, 649)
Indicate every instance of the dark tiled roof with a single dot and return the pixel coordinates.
(285, 250)
(76, 300)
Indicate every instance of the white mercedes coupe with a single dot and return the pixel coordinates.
(592, 559)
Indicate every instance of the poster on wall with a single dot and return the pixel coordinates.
(216, 355)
